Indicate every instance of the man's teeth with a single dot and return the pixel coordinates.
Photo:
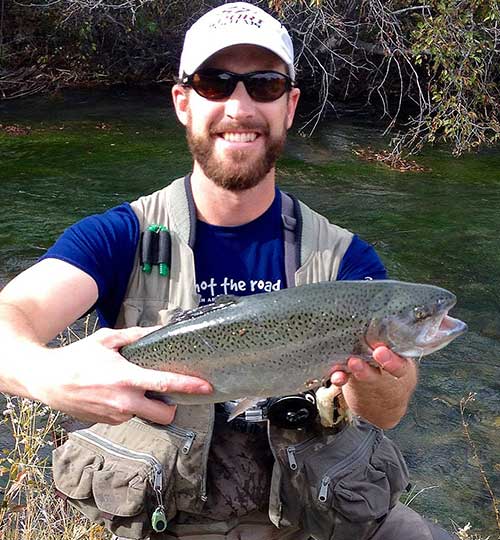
(239, 137)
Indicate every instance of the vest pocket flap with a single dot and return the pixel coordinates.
(74, 466)
(120, 488)
(362, 495)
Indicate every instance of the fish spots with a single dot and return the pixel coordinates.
(271, 343)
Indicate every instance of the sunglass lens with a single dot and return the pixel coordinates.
(213, 85)
(266, 86)
(262, 86)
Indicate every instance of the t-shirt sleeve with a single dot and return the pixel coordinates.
(361, 262)
(103, 246)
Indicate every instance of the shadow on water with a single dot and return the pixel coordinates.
(86, 152)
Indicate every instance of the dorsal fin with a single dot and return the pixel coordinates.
(176, 315)
(226, 299)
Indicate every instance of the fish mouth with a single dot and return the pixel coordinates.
(415, 339)
(440, 333)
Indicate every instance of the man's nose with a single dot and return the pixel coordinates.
(239, 104)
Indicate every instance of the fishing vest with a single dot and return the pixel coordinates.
(173, 458)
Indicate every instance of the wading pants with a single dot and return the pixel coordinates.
(402, 523)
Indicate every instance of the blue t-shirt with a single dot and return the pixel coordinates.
(242, 260)
(228, 260)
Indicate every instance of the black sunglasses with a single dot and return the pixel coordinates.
(214, 84)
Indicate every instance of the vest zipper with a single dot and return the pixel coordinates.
(206, 449)
(344, 464)
(292, 450)
(188, 435)
(323, 490)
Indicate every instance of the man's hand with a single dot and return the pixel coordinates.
(88, 379)
(91, 381)
(378, 394)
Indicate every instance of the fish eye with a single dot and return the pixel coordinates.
(420, 313)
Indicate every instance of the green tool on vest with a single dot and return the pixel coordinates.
(156, 249)
(159, 520)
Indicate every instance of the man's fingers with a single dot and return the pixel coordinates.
(361, 370)
(390, 362)
(163, 381)
(339, 375)
(155, 411)
(115, 339)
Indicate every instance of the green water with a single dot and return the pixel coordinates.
(87, 152)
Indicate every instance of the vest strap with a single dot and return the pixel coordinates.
(290, 214)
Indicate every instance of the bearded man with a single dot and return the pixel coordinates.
(229, 227)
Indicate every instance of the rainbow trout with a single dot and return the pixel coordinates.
(285, 342)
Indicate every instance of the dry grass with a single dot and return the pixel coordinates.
(465, 424)
(30, 509)
(465, 533)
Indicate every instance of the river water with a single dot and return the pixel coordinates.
(87, 151)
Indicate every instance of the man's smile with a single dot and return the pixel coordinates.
(236, 135)
(239, 137)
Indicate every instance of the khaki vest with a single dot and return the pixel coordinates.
(150, 296)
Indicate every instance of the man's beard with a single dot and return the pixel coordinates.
(235, 172)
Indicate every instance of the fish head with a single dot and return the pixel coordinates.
(412, 319)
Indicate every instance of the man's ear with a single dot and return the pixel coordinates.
(293, 99)
(180, 97)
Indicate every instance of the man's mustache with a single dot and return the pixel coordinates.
(226, 126)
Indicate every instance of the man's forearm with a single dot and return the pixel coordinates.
(385, 402)
(21, 349)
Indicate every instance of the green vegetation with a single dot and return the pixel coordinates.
(430, 69)
(458, 46)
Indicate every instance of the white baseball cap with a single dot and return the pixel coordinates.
(238, 23)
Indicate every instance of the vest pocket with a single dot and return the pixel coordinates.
(189, 476)
(361, 495)
(125, 484)
(338, 486)
(121, 488)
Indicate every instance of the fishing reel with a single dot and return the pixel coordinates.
(293, 412)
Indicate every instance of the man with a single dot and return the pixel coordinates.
(237, 99)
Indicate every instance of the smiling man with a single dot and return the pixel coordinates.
(225, 228)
